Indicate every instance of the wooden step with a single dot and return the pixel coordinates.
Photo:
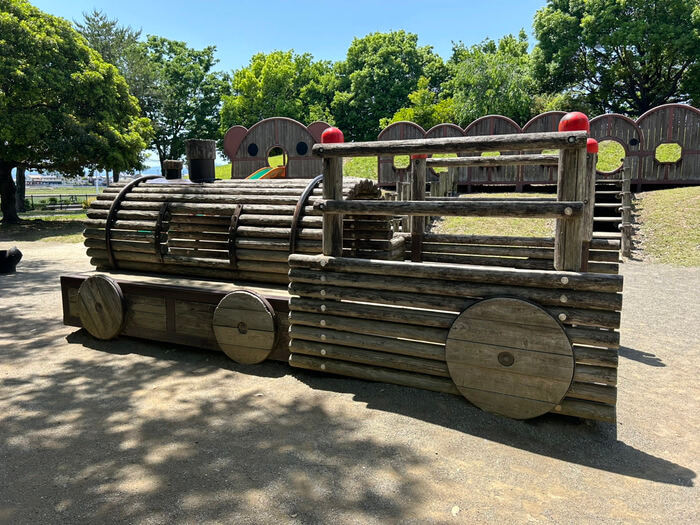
(607, 219)
(607, 235)
(610, 205)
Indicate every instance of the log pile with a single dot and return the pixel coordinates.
(229, 230)
(367, 319)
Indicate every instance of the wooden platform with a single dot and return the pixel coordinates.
(176, 310)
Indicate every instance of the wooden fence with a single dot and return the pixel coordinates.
(668, 124)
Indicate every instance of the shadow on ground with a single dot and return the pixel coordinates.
(587, 443)
(37, 229)
(122, 442)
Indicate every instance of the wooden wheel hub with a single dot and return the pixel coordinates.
(101, 307)
(510, 357)
(244, 325)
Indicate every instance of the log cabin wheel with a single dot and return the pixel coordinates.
(101, 307)
(510, 357)
(244, 325)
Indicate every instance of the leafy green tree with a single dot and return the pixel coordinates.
(375, 79)
(61, 106)
(279, 84)
(626, 56)
(118, 46)
(183, 95)
(426, 109)
(492, 78)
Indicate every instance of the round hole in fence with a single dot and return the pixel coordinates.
(402, 162)
(442, 156)
(302, 148)
(634, 142)
(669, 153)
(253, 149)
(611, 155)
(277, 156)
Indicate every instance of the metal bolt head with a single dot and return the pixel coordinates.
(323, 351)
(242, 328)
(568, 211)
(506, 358)
(564, 280)
(564, 299)
(562, 317)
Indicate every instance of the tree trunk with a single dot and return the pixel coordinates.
(21, 184)
(7, 194)
(115, 175)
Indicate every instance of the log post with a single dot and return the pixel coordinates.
(418, 176)
(589, 201)
(571, 186)
(173, 169)
(626, 226)
(201, 154)
(332, 190)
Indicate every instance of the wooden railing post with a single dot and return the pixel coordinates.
(572, 185)
(589, 201)
(626, 226)
(418, 176)
(332, 190)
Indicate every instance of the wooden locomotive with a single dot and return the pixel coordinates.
(313, 273)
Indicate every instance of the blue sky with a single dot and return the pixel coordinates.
(239, 29)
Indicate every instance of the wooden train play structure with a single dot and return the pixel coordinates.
(316, 272)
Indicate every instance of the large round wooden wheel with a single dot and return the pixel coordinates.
(244, 325)
(510, 357)
(101, 307)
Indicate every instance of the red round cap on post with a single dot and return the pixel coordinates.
(419, 156)
(575, 121)
(332, 136)
(592, 146)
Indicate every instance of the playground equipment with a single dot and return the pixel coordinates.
(276, 172)
(363, 300)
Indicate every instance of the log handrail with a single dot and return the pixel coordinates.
(529, 141)
(499, 160)
(474, 208)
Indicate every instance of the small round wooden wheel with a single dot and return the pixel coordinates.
(510, 357)
(101, 307)
(244, 325)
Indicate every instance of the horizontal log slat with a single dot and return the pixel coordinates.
(521, 142)
(547, 279)
(461, 208)
(372, 373)
(372, 327)
(494, 161)
(369, 357)
(369, 342)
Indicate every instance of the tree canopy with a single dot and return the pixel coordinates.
(62, 106)
(279, 84)
(625, 56)
(492, 78)
(376, 77)
(183, 95)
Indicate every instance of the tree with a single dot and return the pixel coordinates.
(118, 45)
(279, 84)
(61, 106)
(492, 78)
(625, 56)
(183, 95)
(375, 79)
(426, 109)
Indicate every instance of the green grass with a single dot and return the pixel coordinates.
(669, 225)
(361, 167)
(223, 172)
(609, 154)
(45, 226)
(495, 225)
(69, 190)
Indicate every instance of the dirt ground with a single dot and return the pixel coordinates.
(137, 432)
